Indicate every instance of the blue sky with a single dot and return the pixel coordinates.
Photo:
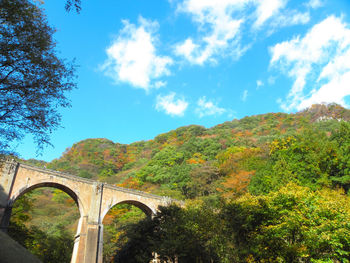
(147, 67)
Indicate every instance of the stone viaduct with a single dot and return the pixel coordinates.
(94, 199)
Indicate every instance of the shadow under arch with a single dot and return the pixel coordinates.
(110, 243)
(61, 187)
(60, 246)
(144, 208)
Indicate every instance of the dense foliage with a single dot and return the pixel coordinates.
(311, 147)
(263, 188)
(293, 224)
(46, 232)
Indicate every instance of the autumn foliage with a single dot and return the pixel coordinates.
(238, 171)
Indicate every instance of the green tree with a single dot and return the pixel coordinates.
(202, 181)
(308, 158)
(33, 80)
(341, 162)
(293, 224)
(53, 247)
(174, 233)
(166, 167)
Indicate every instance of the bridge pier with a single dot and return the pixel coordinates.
(79, 241)
(88, 242)
(92, 251)
(8, 170)
(94, 229)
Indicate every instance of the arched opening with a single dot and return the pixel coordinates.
(61, 187)
(44, 219)
(117, 222)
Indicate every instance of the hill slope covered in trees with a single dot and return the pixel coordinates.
(227, 167)
(184, 161)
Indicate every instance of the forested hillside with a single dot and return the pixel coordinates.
(239, 169)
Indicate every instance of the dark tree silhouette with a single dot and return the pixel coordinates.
(33, 80)
(76, 4)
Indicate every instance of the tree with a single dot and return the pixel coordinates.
(238, 164)
(309, 158)
(341, 174)
(202, 181)
(176, 234)
(293, 224)
(73, 3)
(33, 80)
(52, 246)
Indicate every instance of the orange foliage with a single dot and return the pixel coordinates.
(239, 134)
(107, 154)
(108, 219)
(131, 183)
(234, 158)
(208, 136)
(192, 161)
(196, 159)
(70, 201)
(114, 213)
(248, 133)
(236, 183)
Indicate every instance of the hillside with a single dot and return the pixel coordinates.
(256, 155)
(168, 164)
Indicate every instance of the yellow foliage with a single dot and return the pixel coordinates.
(281, 144)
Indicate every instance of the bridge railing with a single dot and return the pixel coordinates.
(57, 173)
(137, 192)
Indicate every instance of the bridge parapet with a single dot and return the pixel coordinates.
(57, 173)
(141, 193)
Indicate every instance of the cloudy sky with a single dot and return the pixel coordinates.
(147, 67)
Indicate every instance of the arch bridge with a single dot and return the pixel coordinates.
(93, 198)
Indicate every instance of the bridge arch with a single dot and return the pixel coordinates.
(114, 221)
(143, 207)
(62, 187)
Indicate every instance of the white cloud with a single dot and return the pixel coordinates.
(276, 14)
(207, 108)
(221, 24)
(170, 105)
(159, 84)
(267, 9)
(186, 49)
(216, 23)
(315, 3)
(259, 84)
(319, 63)
(290, 18)
(244, 95)
(132, 56)
(336, 90)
